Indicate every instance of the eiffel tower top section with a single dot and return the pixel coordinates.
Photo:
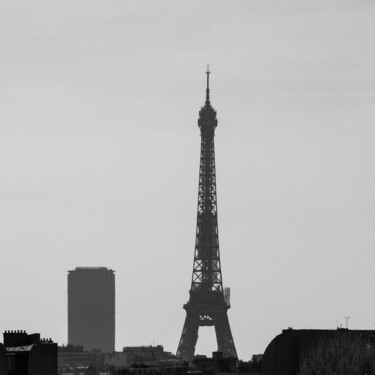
(207, 269)
(207, 115)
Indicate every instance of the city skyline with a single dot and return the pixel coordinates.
(100, 158)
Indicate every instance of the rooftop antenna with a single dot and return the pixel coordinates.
(346, 321)
(208, 85)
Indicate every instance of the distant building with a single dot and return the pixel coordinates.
(138, 356)
(144, 354)
(252, 367)
(91, 308)
(73, 357)
(27, 354)
(285, 352)
(216, 364)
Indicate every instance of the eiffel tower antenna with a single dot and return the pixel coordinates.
(208, 84)
(207, 305)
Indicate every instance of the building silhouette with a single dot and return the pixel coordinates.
(207, 305)
(285, 353)
(27, 354)
(91, 308)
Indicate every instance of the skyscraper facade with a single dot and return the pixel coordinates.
(91, 308)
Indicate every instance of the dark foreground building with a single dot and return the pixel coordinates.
(3, 360)
(284, 354)
(91, 308)
(24, 354)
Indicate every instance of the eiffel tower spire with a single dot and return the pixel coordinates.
(206, 306)
(208, 85)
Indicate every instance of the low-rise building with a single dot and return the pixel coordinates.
(145, 359)
(73, 357)
(216, 364)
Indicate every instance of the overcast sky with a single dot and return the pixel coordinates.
(99, 153)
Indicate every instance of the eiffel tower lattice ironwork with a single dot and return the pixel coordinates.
(207, 305)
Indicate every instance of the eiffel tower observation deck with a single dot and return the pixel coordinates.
(207, 305)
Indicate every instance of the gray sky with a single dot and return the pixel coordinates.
(99, 150)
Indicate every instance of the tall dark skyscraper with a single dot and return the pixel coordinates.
(91, 308)
(207, 305)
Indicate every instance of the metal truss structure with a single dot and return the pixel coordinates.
(206, 306)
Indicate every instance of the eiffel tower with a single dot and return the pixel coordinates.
(207, 305)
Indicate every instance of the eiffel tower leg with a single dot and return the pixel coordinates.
(189, 337)
(224, 337)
